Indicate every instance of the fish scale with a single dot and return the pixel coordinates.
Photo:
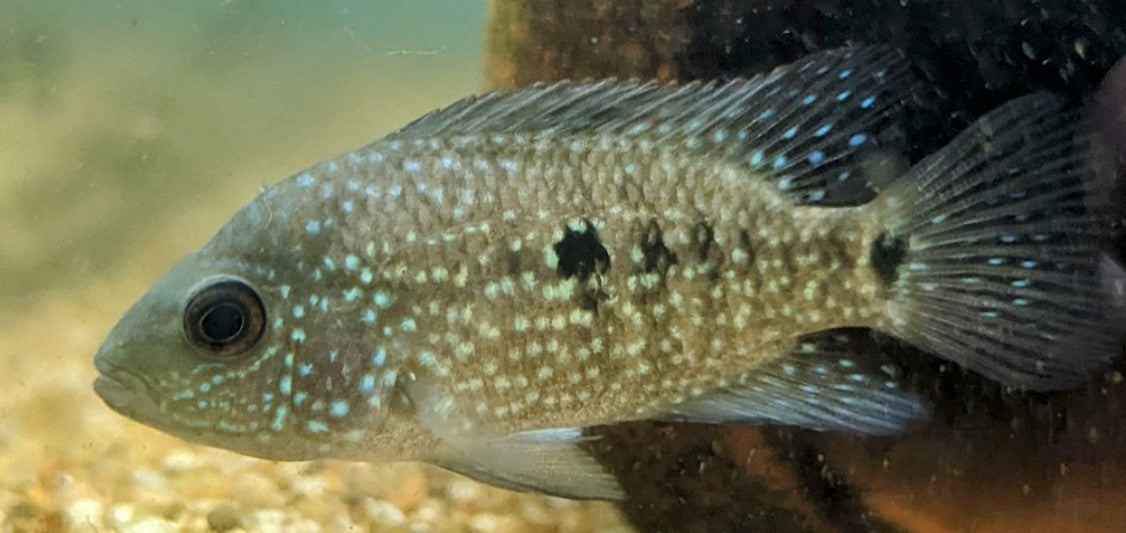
(476, 288)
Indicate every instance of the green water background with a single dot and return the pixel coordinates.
(130, 131)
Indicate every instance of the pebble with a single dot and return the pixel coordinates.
(383, 514)
(224, 517)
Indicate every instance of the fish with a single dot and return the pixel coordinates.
(478, 288)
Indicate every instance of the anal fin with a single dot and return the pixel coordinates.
(822, 384)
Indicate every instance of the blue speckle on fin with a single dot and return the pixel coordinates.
(1010, 221)
(823, 384)
(778, 119)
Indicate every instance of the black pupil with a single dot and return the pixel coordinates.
(222, 322)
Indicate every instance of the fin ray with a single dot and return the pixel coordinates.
(1004, 230)
(804, 127)
(548, 461)
(823, 384)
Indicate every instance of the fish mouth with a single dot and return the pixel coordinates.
(126, 395)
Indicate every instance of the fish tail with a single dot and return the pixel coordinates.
(993, 250)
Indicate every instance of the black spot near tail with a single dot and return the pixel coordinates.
(888, 252)
(581, 254)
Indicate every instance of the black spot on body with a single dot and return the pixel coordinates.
(703, 237)
(888, 252)
(656, 257)
(747, 245)
(581, 254)
(512, 263)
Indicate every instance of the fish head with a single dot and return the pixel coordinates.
(248, 346)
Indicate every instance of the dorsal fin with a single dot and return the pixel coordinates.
(804, 126)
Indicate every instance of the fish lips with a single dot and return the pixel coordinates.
(125, 394)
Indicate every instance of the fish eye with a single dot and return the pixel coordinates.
(225, 317)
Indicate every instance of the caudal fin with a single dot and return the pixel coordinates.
(998, 239)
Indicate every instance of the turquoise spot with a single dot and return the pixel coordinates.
(267, 397)
(279, 418)
(204, 387)
(868, 102)
(305, 370)
(298, 335)
(353, 294)
(299, 398)
(339, 409)
(284, 289)
(780, 162)
(758, 159)
(366, 276)
(351, 262)
(278, 323)
(843, 95)
(382, 299)
(316, 426)
(313, 226)
(1028, 264)
(1021, 302)
(306, 180)
(184, 395)
(298, 311)
(845, 73)
(857, 140)
(216, 380)
(380, 358)
(790, 133)
(285, 386)
(347, 206)
(809, 99)
(816, 157)
(823, 130)
(367, 383)
(369, 317)
(329, 264)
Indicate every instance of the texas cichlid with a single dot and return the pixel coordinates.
(476, 288)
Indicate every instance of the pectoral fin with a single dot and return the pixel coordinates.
(547, 461)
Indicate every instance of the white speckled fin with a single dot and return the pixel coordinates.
(545, 461)
(805, 127)
(821, 385)
(997, 243)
